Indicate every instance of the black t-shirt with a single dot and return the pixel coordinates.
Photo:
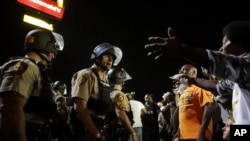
(151, 119)
(166, 111)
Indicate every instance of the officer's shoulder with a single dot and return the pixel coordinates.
(21, 62)
(85, 73)
(20, 65)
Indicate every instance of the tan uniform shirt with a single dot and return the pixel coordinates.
(84, 85)
(21, 76)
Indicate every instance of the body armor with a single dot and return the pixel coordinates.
(43, 107)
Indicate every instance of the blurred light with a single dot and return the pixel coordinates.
(50, 7)
(60, 3)
(37, 22)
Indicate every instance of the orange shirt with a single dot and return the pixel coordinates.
(191, 103)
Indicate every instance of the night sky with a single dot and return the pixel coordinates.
(126, 24)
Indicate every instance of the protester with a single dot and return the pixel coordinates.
(138, 110)
(223, 65)
(195, 107)
(150, 125)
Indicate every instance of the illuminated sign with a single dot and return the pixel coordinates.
(37, 22)
(46, 6)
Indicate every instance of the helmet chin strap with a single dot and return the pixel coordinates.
(104, 68)
(100, 64)
(44, 58)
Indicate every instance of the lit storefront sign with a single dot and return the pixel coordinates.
(46, 6)
(37, 22)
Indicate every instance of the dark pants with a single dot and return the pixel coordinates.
(80, 133)
(117, 133)
(38, 132)
(217, 131)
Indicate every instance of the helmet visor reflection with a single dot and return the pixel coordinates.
(118, 55)
(59, 41)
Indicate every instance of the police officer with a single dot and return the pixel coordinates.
(90, 93)
(120, 117)
(60, 91)
(26, 93)
(60, 128)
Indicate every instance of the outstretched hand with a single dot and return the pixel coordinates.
(163, 46)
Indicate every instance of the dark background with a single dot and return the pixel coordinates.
(126, 24)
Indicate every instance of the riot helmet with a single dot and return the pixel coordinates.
(118, 76)
(107, 48)
(43, 41)
(61, 86)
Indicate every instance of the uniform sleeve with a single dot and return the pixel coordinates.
(21, 76)
(230, 67)
(84, 85)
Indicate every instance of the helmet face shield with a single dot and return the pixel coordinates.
(118, 75)
(118, 55)
(108, 49)
(59, 44)
(128, 77)
(61, 86)
(43, 40)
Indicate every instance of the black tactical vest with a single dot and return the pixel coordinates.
(101, 105)
(44, 105)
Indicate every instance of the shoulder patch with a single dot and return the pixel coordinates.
(18, 68)
(81, 80)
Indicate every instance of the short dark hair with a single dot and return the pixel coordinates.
(238, 32)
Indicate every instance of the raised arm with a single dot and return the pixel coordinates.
(172, 46)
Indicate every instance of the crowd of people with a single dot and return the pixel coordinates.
(33, 107)
(230, 64)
